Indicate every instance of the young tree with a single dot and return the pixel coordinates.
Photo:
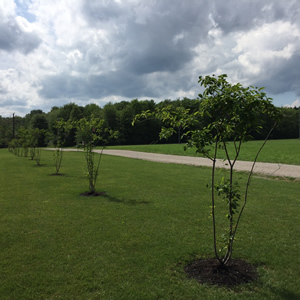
(233, 113)
(13, 146)
(38, 156)
(23, 141)
(229, 113)
(33, 136)
(90, 133)
(62, 130)
(27, 141)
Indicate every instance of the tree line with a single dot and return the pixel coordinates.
(118, 117)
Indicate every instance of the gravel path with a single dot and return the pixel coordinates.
(270, 169)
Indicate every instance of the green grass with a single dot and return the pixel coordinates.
(134, 242)
(275, 151)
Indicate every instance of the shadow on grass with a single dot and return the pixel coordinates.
(103, 194)
(57, 174)
(124, 201)
(282, 293)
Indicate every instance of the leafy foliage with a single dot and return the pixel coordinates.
(231, 113)
(62, 130)
(57, 159)
(90, 133)
(227, 113)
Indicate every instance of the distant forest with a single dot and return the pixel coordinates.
(119, 116)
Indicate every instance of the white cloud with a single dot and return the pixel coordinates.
(178, 37)
(296, 103)
(24, 24)
(264, 45)
(7, 10)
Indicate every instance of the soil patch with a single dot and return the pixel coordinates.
(208, 271)
(91, 194)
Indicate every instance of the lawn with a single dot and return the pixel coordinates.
(276, 151)
(133, 242)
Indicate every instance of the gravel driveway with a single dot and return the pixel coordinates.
(271, 169)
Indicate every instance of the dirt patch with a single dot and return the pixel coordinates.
(208, 271)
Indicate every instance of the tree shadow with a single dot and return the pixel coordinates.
(284, 294)
(124, 201)
(278, 292)
(57, 174)
(38, 165)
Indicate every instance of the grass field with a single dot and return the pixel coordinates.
(277, 151)
(133, 242)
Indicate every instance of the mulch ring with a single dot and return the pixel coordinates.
(208, 271)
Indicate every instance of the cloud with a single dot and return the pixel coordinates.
(147, 37)
(129, 48)
(296, 103)
(13, 38)
(15, 32)
(55, 52)
(242, 16)
(267, 50)
(96, 86)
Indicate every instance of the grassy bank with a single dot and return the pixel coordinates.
(133, 242)
(275, 151)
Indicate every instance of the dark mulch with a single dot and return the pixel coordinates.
(208, 271)
(90, 194)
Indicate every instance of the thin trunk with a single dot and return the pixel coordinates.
(90, 162)
(231, 164)
(13, 129)
(248, 184)
(213, 201)
(237, 151)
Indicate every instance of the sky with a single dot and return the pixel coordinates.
(99, 51)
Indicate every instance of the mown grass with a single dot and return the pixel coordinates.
(133, 242)
(275, 151)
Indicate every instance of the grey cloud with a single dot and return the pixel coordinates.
(236, 15)
(148, 42)
(100, 11)
(3, 90)
(94, 86)
(285, 77)
(13, 38)
(147, 31)
(120, 83)
(12, 102)
(61, 86)
(158, 37)
(151, 48)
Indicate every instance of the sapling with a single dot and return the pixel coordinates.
(13, 146)
(32, 139)
(57, 159)
(23, 135)
(90, 133)
(32, 151)
(227, 113)
(37, 156)
(62, 130)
